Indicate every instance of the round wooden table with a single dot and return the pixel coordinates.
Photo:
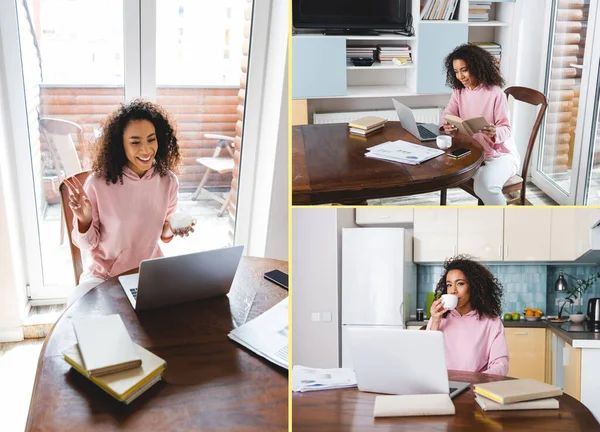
(352, 410)
(211, 383)
(329, 166)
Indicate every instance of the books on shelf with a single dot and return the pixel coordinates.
(366, 126)
(479, 11)
(387, 53)
(105, 345)
(439, 10)
(126, 385)
(518, 390)
(403, 152)
(490, 405)
(493, 48)
(309, 379)
(468, 127)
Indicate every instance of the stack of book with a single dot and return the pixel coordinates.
(493, 48)
(479, 11)
(106, 355)
(360, 55)
(366, 126)
(387, 54)
(520, 394)
(439, 10)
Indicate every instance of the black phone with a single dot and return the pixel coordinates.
(277, 277)
(458, 153)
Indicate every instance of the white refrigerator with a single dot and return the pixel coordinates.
(379, 280)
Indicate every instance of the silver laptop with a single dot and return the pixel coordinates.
(422, 131)
(403, 362)
(183, 278)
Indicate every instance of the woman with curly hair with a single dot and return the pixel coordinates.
(475, 77)
(473, 333)
(125, 205)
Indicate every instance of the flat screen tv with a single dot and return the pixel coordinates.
(351, 14)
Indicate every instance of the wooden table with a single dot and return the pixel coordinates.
(211, 383)
(352, 410)
(329, 166)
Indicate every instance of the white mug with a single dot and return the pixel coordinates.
(444, 141)
(450, 301)
(180, 220)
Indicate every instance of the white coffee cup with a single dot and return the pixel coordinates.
(450, 301)
(180, 220)
(444, 141)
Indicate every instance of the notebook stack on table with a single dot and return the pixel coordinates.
(519, 394)
(107, 356)
(366, 126)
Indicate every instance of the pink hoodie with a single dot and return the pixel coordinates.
(127, 220)
(474, 344)
(488, 102)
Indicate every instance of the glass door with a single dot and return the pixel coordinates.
(569, 71)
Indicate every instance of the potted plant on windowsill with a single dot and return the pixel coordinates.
(574, 293)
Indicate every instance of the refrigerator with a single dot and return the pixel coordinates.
(379, 281)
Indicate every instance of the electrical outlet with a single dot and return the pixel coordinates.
(315, 317)
(326, 316)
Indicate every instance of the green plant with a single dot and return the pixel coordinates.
(578, 291)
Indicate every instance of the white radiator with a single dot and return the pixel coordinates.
(422, 115)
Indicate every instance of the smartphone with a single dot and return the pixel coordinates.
(458, 153)
(277, 277)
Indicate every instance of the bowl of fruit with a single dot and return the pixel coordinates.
(532, 314)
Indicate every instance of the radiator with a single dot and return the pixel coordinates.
(422, 115)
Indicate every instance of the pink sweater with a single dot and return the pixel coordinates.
(474, 344)
(127, 220)
(488, 102)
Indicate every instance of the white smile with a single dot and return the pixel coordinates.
(144, 160)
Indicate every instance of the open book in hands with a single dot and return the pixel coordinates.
(467, 127)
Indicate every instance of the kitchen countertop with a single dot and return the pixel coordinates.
(575, 339)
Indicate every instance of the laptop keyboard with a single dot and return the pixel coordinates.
(425, 133)
(133, 292)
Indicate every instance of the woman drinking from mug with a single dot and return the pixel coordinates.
(473, 332)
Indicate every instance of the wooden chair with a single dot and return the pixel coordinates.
(57, 134)
(518, 183)
(217, 164)
(67, 214)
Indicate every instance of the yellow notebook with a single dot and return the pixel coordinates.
(519, 390)
(367, 123)
(125, 385)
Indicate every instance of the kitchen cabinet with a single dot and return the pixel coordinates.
(480, 233)
(399, 217)
(583, 225)
(526, 352)
(564, 234)
(435, 234)
(572, 374)
(549, 378)
(527, 234)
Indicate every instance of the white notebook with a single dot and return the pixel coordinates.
(413, 405)
(105, 345)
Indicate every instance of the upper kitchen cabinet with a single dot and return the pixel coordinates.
(480, 233)
(565, 238)
(527, 234)
(435, 234)
(384, 216)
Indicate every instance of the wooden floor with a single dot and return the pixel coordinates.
(18, 363)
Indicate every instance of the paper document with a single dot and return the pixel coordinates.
(309, 379)
(403, 152)
(267, 334)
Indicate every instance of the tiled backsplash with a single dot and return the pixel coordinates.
(524, 285)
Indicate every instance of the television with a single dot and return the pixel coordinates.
(351, 15)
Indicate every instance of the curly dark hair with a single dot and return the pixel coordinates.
(485, 290)
(482, 66)
(109, 155)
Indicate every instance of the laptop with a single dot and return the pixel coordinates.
(170, 280)
(402, 362)
(422, 131)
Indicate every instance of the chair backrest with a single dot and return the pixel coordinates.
(68, 217)
(533, 97)
(62, 148)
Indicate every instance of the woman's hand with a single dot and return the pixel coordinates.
(80, 204)
(449, 129)
(489, 130)
(437, 311)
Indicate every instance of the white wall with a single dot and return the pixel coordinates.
(260, 223)
(316, 283)
(12, 280)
